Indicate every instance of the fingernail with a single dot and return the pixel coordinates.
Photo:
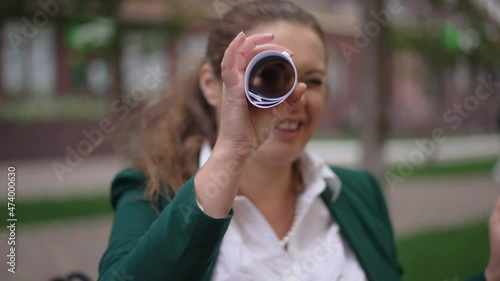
(269, 34)
(239, 34)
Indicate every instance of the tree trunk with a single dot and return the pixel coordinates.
(27, 69)
(63, 81)
(375, 86)
(116, 85)
(2, 22)
(117, 54)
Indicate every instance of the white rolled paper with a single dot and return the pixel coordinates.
(258, 99)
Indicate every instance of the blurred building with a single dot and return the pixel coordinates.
(61, 70)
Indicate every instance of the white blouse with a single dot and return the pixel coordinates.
(250, 249)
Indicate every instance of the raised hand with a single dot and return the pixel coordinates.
(244, 127)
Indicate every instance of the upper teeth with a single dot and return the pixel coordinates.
(286, 125)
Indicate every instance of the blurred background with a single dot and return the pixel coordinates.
(414, 92)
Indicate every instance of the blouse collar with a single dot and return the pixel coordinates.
(313, 169)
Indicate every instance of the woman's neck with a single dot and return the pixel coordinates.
(267, 183)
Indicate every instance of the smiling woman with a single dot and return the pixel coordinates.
(223, 190)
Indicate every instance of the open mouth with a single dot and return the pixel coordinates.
(288, 125)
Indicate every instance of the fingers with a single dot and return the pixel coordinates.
(241, 46)
(238, 54)
(255, 44)
(235, 56)
(298, 93)
(294, 101)
(254, 40)
(258, 49)
(230, 76)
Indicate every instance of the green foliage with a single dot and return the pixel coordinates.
(441, 39)
(440, 48)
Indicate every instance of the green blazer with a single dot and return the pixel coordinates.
(181, 242)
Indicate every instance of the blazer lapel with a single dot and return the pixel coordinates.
(361, 237)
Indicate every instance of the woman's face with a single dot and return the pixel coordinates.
(289, 137)
(309, 55)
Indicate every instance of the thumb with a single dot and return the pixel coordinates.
(291, 103)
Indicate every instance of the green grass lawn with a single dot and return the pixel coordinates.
(39, 211)
(479, 166)
(451, 255)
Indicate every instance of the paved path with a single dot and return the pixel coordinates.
(349, 152)
(416, 205)
(37, 179)
(419, 205)
(55, 249)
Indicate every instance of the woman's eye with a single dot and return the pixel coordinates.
(314, 82)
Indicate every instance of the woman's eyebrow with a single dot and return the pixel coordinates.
(312, 71)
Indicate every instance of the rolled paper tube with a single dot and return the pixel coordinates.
(270, 78)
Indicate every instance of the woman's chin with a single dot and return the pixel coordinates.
(276, 152)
